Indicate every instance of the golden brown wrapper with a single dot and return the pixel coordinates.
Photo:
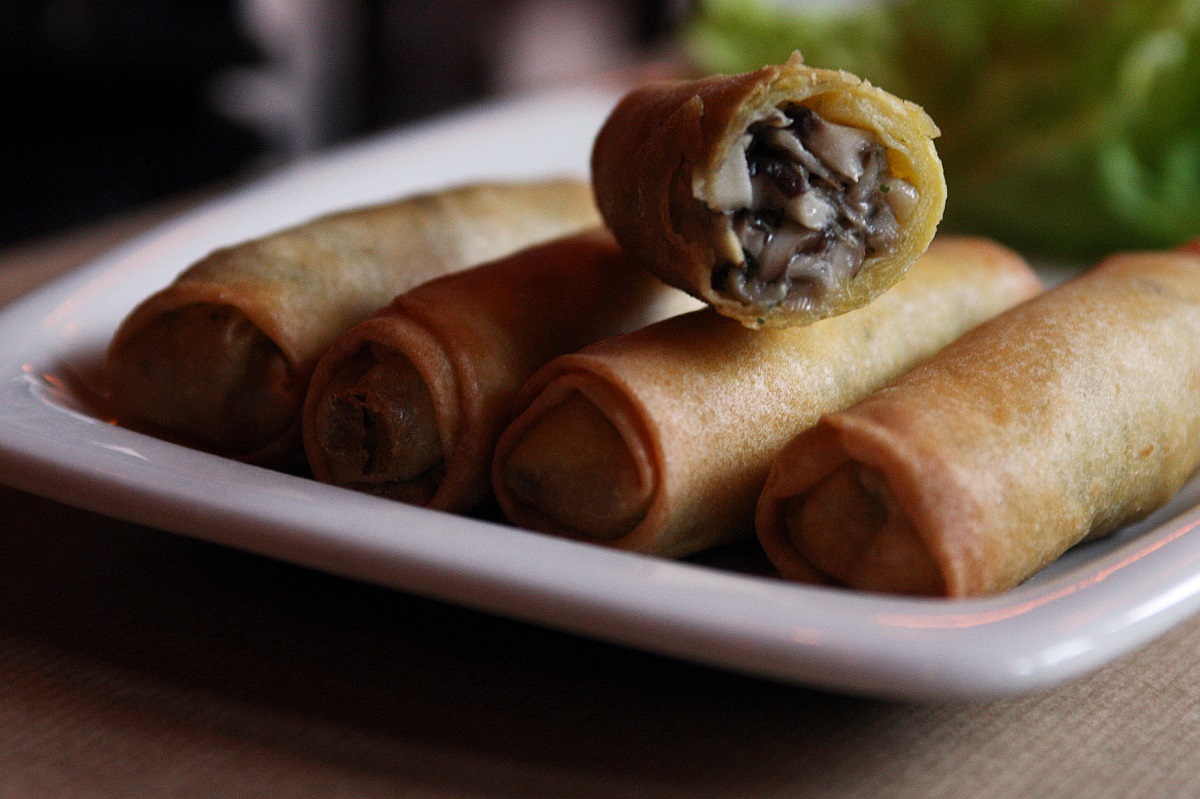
(660, 441)
(657, 173)
(1063, 419)
(221, 358)
(469, 341)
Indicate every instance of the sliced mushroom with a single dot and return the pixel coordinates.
(806, 201)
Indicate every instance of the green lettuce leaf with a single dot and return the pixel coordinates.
(1070, 128)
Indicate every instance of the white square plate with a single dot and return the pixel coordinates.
(1096, 603)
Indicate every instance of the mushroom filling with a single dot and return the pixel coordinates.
(806, 201)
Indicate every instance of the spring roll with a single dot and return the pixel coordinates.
(409, 403)
(1061, 420)
(221, 358)
(779, 197)
(660, 441)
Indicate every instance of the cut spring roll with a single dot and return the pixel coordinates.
(660, 441)
(221, 358)
(1063, 419)
(409, 403)
(779, 197)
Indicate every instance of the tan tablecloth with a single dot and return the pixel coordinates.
(135, 663)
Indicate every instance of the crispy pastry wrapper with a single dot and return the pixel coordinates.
(661, 169)
(469, 340)
(1061, 420)
(660, 441)
(221, 358)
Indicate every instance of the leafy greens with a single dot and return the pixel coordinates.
(1070, 128)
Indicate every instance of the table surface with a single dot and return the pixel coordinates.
(138, 663)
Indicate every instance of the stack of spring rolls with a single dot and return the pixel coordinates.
(752, 331)
(221, 358)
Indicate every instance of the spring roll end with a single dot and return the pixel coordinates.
(573, 472)
(850, 529)
(375, 429)
(828, 188)
(833, 512)
(209, 375)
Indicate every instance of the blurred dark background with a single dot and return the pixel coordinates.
(110, 105)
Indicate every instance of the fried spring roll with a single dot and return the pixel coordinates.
(1061, 420)
(660, 441)
(779, 197)
(409, 403)
(221, 358)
